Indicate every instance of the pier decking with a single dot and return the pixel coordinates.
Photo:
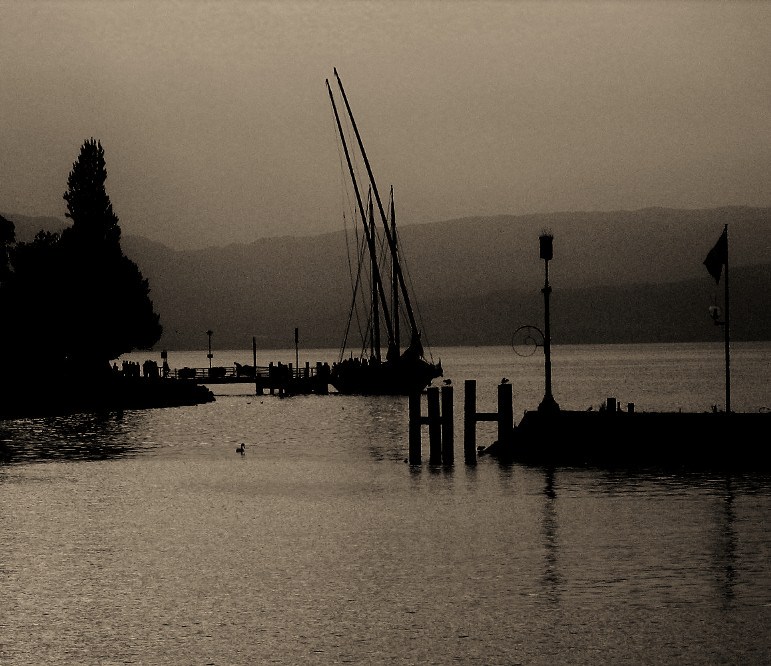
(274, 377)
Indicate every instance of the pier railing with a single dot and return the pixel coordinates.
(281, 377)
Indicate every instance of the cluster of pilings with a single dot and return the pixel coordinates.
(440, 422)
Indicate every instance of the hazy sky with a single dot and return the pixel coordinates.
(217, 126)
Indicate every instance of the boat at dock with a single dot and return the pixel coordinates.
(380, 297)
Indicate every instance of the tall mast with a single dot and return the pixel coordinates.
(394, 282)
(367, 230)
(389, 237)
(373, 261)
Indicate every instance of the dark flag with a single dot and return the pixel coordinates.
(718, 256)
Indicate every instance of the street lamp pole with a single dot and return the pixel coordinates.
(296, 350)
(547, 252)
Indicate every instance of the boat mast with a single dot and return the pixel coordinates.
(394, 281)
(367, 229)
(375, 346)
(389, 237)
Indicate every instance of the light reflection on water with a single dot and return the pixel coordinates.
(72, 437)
(147, 539)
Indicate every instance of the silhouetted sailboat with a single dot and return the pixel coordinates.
(377, 259)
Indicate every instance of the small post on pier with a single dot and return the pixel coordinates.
(297, 348)
(257, 387)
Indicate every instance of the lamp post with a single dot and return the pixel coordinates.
(296, 350)
(547, 252)
(210, 355)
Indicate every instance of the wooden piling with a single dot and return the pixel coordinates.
(434, 427)
(448, 445)
(505, 414)
(469, 422)
(504, 418)
(414, 429)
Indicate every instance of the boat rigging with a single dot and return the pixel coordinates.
(400, 372)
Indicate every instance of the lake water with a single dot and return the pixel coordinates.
(144, 538)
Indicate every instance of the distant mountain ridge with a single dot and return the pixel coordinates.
(623, 276)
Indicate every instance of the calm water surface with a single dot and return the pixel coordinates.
(143, 538)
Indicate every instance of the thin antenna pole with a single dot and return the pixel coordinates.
(727, 333)
(297, 350)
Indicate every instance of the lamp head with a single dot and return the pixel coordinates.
(546, 242)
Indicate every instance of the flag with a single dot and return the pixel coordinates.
(718, 256)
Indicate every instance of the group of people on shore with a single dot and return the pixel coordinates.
(148, 369)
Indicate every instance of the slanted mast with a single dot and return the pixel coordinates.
(399, 373)
(415, 332)
(368, 229)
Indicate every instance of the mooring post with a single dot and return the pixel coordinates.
(470, 422)
(434, 427)
(271, 377)
(505, 414)
(414, 429)
(257, 387)
(448, 452)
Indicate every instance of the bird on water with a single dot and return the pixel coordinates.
(241, 449)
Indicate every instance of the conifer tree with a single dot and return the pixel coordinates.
(109, 309)
(88, 205)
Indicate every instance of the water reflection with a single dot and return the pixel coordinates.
(551, 579)
(725, 546)
(94, 436)
(382, 427)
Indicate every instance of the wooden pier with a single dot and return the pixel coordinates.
(280, 378)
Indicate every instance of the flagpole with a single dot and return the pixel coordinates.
(727, 333)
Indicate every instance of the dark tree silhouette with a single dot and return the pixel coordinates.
(109, 308)
(7, 239)
(74, 300)
(88, 205)
(35, 299)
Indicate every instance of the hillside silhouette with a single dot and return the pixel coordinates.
(623, 276)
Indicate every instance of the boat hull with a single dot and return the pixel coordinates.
(361, 377)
